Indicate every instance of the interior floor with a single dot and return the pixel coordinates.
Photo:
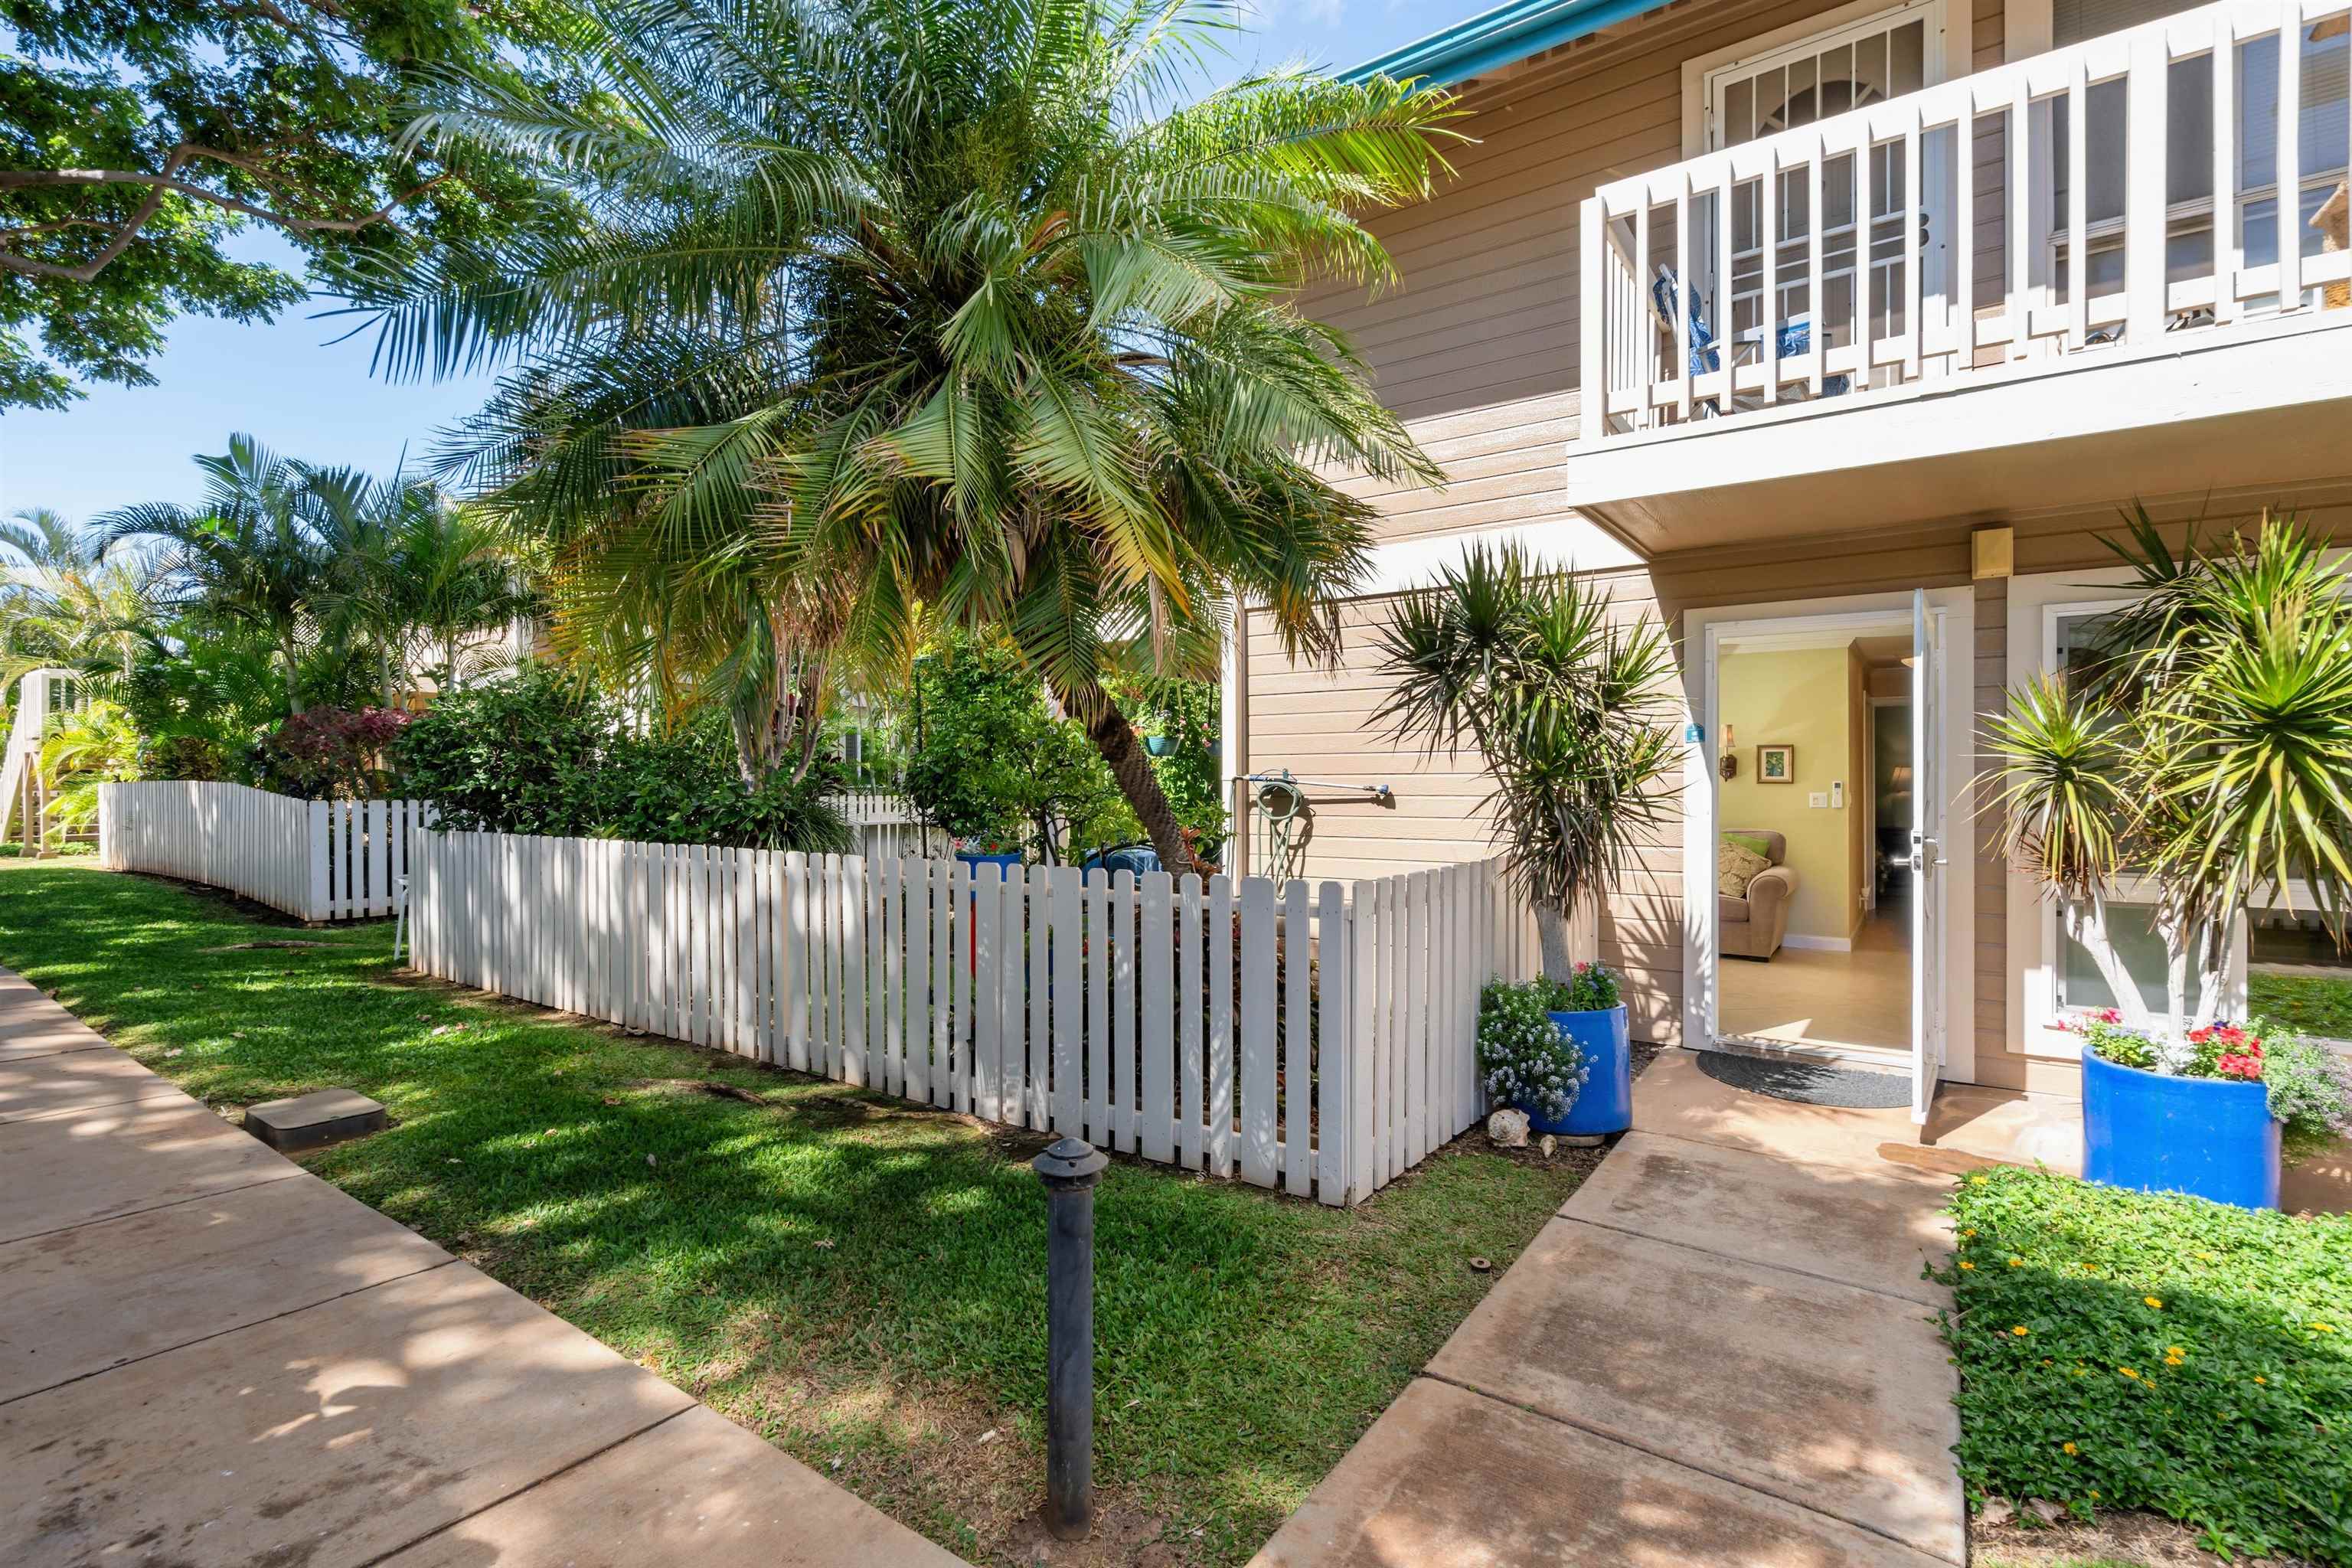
(1860, 999)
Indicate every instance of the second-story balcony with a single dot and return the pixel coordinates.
(2118, 269)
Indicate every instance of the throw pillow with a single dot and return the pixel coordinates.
(1735, 868)
(1753, 843)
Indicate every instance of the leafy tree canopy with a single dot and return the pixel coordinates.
(892, 311)
(136, 136)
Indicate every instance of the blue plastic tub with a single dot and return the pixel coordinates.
(2208, 1137)
(1606, 1103)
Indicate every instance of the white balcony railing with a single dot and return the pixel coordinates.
(1974, 198)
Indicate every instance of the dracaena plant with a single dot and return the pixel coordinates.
(1566, 705)
(891, 310)
(2207, 749)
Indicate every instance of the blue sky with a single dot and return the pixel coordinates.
(289, 386)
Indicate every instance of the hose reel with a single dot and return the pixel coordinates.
(1281, 802)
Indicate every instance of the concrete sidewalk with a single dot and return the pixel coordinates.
(207, 1355)
(1721, 1352)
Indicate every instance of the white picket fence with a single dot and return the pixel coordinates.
(314, 859)
(1322, 1042)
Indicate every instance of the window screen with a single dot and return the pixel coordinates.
(2072, 21)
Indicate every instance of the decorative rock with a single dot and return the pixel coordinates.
(314, 1121)
(1508, 1129)
(1549, 1145)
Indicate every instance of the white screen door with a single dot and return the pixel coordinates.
(1928, 870)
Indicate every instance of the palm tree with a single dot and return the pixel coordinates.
(1565, 705)
(897, 307)
(63, 607)
(418, 581)
(2209, 750)
(251, 555)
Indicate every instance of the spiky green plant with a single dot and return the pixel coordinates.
(2208, 748)
(897, 307)
(1566, 705)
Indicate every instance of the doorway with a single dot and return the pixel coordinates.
(1818, 840)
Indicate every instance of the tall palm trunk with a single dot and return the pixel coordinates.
(1130, 769)
(293, 676)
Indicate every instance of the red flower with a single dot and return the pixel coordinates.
(2243, 1067)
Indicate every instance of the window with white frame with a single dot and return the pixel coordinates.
(2059, 624)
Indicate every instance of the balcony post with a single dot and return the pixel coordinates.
(1592, 306)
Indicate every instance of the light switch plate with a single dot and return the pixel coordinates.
(1819, 801)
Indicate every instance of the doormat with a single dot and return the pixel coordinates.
(1814, 1083)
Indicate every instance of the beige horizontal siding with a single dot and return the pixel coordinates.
(1319, 724)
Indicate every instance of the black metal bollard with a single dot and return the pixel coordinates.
(1070, 1170)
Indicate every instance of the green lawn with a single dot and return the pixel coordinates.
(860, 1281)
(2125, 1350)
(2307, 1004)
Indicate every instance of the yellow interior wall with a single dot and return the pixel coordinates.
(1805, 698)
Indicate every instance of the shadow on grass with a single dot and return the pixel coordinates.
(860, 1280)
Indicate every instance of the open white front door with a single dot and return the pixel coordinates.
(1928, 867)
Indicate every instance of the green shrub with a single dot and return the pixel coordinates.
(987, 761)
(537, 754)
(2126, 1350)
(196, 758)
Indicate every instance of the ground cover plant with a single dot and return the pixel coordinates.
(2133, 1351)
(857, 1279)
(2317, 1005)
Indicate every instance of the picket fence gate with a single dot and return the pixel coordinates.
(314, 859)
(1163, 1016)
(886, 826)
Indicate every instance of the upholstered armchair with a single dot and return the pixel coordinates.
(1753, 927)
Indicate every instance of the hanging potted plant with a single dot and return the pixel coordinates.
(1568, 710)
(2208, 751)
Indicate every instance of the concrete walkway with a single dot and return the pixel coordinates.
(208, 1355)
(1720, 1351)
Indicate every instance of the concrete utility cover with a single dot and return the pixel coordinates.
(311, 1120)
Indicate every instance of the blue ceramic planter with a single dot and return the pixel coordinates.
(1605, 1105)
(999, 861)
(2208, 1137)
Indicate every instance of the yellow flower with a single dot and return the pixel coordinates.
(2021, 1330)
(2072, 1449)
(2206, 1256)
(2017, 1263)
(2157, 1301)
(1966, 1264)
(2094, 1497)
(1980, 1178)
(2128, 1371)
(2263, 1381)
(2323, 1328)
(1966, 1233)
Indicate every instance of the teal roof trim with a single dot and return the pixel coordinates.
(1498, 37)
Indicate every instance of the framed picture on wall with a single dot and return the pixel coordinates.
(1775, 764)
